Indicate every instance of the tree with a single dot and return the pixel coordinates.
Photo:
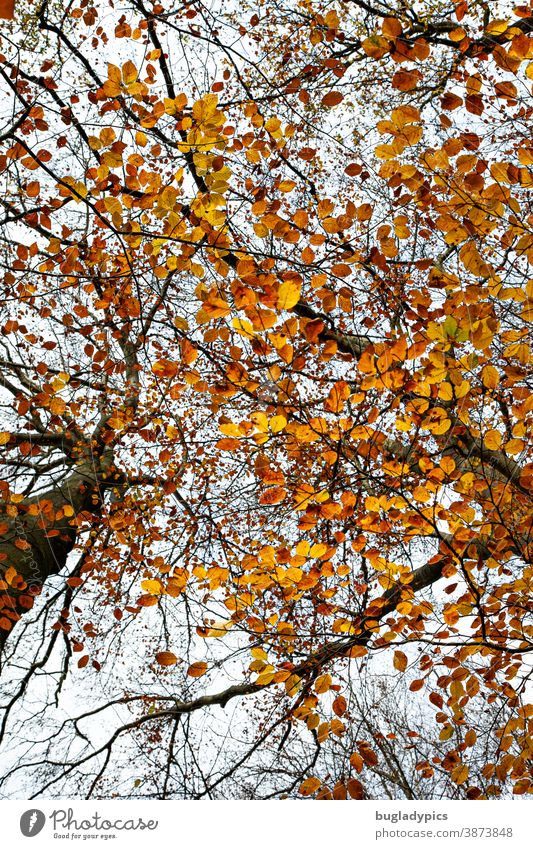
(266, 386)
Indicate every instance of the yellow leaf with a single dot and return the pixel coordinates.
(152, 587)
(482, 334)
(129, 73)
(264, 679)
(446, 733)
(4, 437)
(309, 786)
(294, 574)
(497, 27)
(323, 683)
(288, 294)
(260, 421)
(113, 73)
(292, 685)
(490, 377)
(277, 423)
(243, 327)
(470, 737)
(376, 46)
(230, 429)
(493, 440)
(259, 653)
(459, 774)
(57, 406)
(219, 629)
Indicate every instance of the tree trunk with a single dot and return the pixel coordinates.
(37, 535)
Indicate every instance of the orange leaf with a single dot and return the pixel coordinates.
(337, 397)
(391, 27)
(332, 98)
(368, 754)
(357, 762)
(7, 9)
(309, 786)
(400, 661)
(493, 440)
(166, 658)
(405, 80)
(129, 73)
(74, 582)
(273, 495)
(460, 774)
(228, 444)
(339, 705)
(164, 368)
(339, 791)
(451, 101)
(196, 670)
(506, 89)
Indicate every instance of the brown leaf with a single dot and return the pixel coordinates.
(332, 98)
(355, 788)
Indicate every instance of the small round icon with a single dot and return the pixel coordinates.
(32, 822)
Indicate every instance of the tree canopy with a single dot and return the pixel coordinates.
(266, 406)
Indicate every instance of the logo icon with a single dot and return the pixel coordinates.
(32, 822)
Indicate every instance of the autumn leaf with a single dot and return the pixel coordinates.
(460, 774)
(332, 98)
(165, 368)
(400, 661)
(7, 9)
(355, 788)
(323, 683)
(166, 658)
(288, 294)
(339, 705)
(493, 439)
(129, 73)
(490, 377)
(273, 495)
(405, 80)
(309, 786)
(196, 670)
(376, 46)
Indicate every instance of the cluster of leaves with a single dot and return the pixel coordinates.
(266, 362)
